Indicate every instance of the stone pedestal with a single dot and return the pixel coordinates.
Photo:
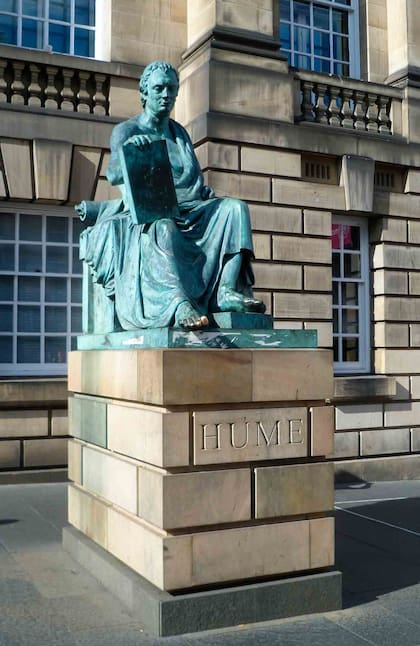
(205, 468)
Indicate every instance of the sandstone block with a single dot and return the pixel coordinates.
(322, 542)
(402, 414)
(358, 416)
(324, 331)
(301, 249)
(158, 436)
(397, 308)
(415, 387)
(59, 422)
(317, 223)
(88, 419)
(346, 445)
(399, 362)
(391, 335)
(277, 276)
(45, 453)
(413, 232)
(193, 499)
(270, 162)
(415, 439)
(386, 441)
(414, 283)
(413, 181)
(322, 430)
(23, 423)
(84, 172)
(396, 257)
(308, 194)
(249, 434)
(262, 246)
(303, 306)
(52, 161)
(111, 478)
(215, 155)
(17, 162)
(414, 335)
(9, 454)
(275, 218)
(88, 514)
(244, 187)
(390, 282)
(74, 461)
(293, 490)
(390, 230)
(317, 279)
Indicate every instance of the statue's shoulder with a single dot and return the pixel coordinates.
(122, 131)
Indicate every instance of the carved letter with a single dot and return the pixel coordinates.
(275, 430)
(295, 431)
(213, 436)
(232, 436)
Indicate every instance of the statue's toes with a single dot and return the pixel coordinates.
(254, 305)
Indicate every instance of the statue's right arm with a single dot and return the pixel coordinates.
(114, 172)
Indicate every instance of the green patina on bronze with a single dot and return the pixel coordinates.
(169, 271)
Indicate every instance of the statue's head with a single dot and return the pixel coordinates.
(156, 66)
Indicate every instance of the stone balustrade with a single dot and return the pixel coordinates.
(348, 103)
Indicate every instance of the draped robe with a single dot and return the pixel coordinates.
(150, 269)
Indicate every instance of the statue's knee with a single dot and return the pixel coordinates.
(165, 226)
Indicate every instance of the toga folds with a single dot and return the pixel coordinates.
(149, 269)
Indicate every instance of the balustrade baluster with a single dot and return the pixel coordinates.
(3, 81)
(334, 107)
(84, 100)
(18, 88)
(359, 112)
(384, 105)
(34, 88)
(322, 103)
(101, 94)
(372, 113)
(347, 108)
(51, 93)
(69, 96)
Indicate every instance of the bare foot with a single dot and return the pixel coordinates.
(187, 318)
(231, 301)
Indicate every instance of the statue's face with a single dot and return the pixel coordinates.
(162, 90)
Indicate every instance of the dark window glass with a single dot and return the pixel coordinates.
(55, 349)
(29, 319)
(59, 38)
(321, 17)
(57, 260)
(59, 10)
(56, 290)
(28, 349)
(57, 230)
(8, 30)
(32, 33)
(56, 319)
(301, 13)
(284, 10)
(6, 288)
(76, 290)
(85, 12)
(33, 8)
(6, 318)
(30, 258)
(7, 257)
(76, 319)
(29, 289)
(84, 42)
(6, 349)
(7, 226)
(30, 228)
(322, 43)
(285, 41)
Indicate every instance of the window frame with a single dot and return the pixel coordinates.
(45, 20)
(363, 366)
(43, 368)
(353, 35)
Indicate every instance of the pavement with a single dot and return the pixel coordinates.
(47, 599)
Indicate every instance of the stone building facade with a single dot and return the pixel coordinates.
(321, 137)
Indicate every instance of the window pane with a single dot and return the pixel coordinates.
(29, 289)
(341, 47)
(30, 228)
(6, 318)
(30, 258)
(55, 349)
(321, 17)
(85, 12)
(76, 319)
(301, 13)
(340, 21)
(9, 6)
(29, 319)
(353, 241)
(56, 290)
(341, 69)
(6, 349)
(335, 293)
(335, 345)
(322, 43)
(350, 321)
(77, 229)
(84, 42)
(59, 38)
(304, 62)
(302, 40)
(336, 265)
(57, 260)
(77, 263)
(32, 34)
(285, 42)
(7, 226)
(6, 288)
(284, 10)
(8, 30)
(56, 319)
(28, 349)
(322, 65)
(57, 229)
(76, 290)
(33, 8)
(350, 349)
(335, 321)
(60, 10)
(352, 265)
(73, 344)
(349, 294)
(7, 257)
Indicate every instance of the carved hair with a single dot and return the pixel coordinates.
(163, 66)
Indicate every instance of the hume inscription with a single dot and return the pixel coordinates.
(241, 435)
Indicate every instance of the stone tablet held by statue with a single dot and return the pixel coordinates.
(148, 181)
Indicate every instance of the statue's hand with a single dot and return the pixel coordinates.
(207, 193)
(141, 141)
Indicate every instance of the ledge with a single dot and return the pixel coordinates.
(33, 392)
(364, 387)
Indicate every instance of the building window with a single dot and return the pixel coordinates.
(40, 291)
(351, 316)
(321, 35)
(64, 26)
